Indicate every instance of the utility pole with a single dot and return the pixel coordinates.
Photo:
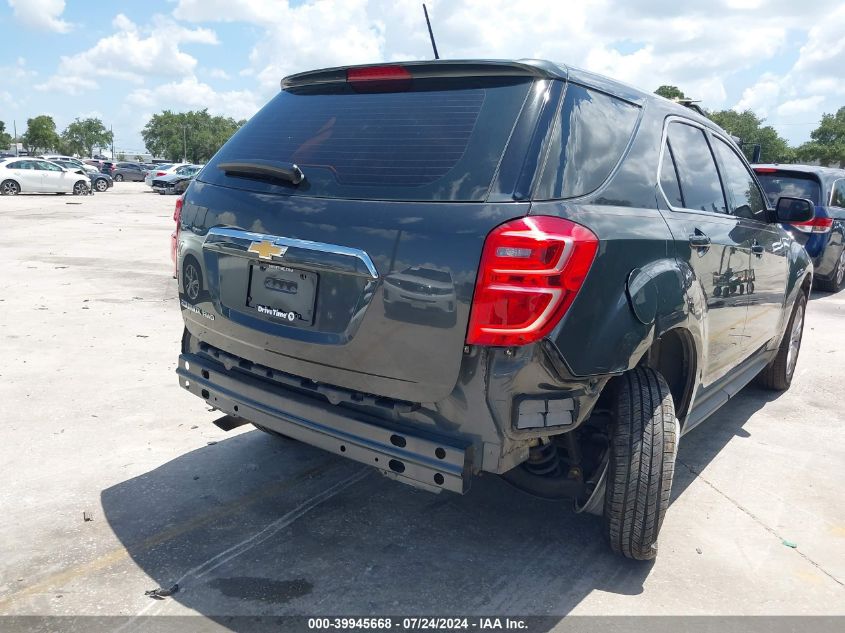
(15, 126)
(111, 131)
(184, 144)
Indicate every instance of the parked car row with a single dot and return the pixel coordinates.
(24, 174)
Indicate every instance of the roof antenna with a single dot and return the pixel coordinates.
(430, 32)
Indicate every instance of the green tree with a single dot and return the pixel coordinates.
(828, 141)
(195, 135)
(750, 129)
(40, 135)
(83, 135)
(5, 137)
(670, 92)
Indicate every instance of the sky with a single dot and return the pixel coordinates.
(123, 61)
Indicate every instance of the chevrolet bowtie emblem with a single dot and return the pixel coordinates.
(267, 250)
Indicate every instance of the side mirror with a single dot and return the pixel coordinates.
(790, 210)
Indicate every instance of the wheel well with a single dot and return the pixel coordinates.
(673, 355)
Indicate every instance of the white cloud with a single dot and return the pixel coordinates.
(191, 94)
(697, 47)
(132, 53)
(41, 14)
(811, 86)
(799, 106)
(218, 73)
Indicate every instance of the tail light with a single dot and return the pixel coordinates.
(177, 212)
(531, 270)
(379, 78)
(161, 173)
(816, 225)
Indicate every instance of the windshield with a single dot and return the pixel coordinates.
(792, 185)
(440, 140)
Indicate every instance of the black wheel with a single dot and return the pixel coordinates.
(9, 188)
(834, 284)
(101, 185)
(777, 375)
(750, 287)
(80, 188)
(643, 446)
(118, 178)
(191, 278)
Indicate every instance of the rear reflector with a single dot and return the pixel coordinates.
(531, 269)
(816, 225)
(377, 73)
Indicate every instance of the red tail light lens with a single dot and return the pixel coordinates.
(765, 170)
(177, 212)
(816, 225)
(377, 73)
(531, 270)
(161, 173)
(379, 79)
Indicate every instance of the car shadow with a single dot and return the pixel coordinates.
(257, 525)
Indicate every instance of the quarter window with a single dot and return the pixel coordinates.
(746, 198)
(588, 140)
(697, 173)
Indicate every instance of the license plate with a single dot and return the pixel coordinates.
(282, 294)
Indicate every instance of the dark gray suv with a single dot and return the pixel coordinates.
(443, 268)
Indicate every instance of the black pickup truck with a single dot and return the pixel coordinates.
(448, 267)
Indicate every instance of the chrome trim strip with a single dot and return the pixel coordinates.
(289, 242)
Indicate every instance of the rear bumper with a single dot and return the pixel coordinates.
(428, 462)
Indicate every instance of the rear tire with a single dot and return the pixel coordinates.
(643, 446)
(9, 188)
(778, 374)
(834, 284)
(101, 185)
(118, 178)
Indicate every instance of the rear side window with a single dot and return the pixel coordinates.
(588, 140)
(440, 140)
(697, 173)
(746, 198)
(792, 185)
(669, 178)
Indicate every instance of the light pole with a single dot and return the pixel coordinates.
(184, 144)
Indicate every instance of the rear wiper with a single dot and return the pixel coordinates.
(288, 172)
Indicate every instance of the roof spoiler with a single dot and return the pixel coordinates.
(440, 68)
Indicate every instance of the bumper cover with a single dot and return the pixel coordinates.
(423, 461)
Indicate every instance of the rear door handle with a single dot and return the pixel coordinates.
(699, 240)
(757, 249)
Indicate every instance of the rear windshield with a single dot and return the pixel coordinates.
(792, 185)
(440, 140)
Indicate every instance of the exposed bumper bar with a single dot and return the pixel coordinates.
(427, 462)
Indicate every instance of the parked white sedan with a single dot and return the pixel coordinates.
(33, 175)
